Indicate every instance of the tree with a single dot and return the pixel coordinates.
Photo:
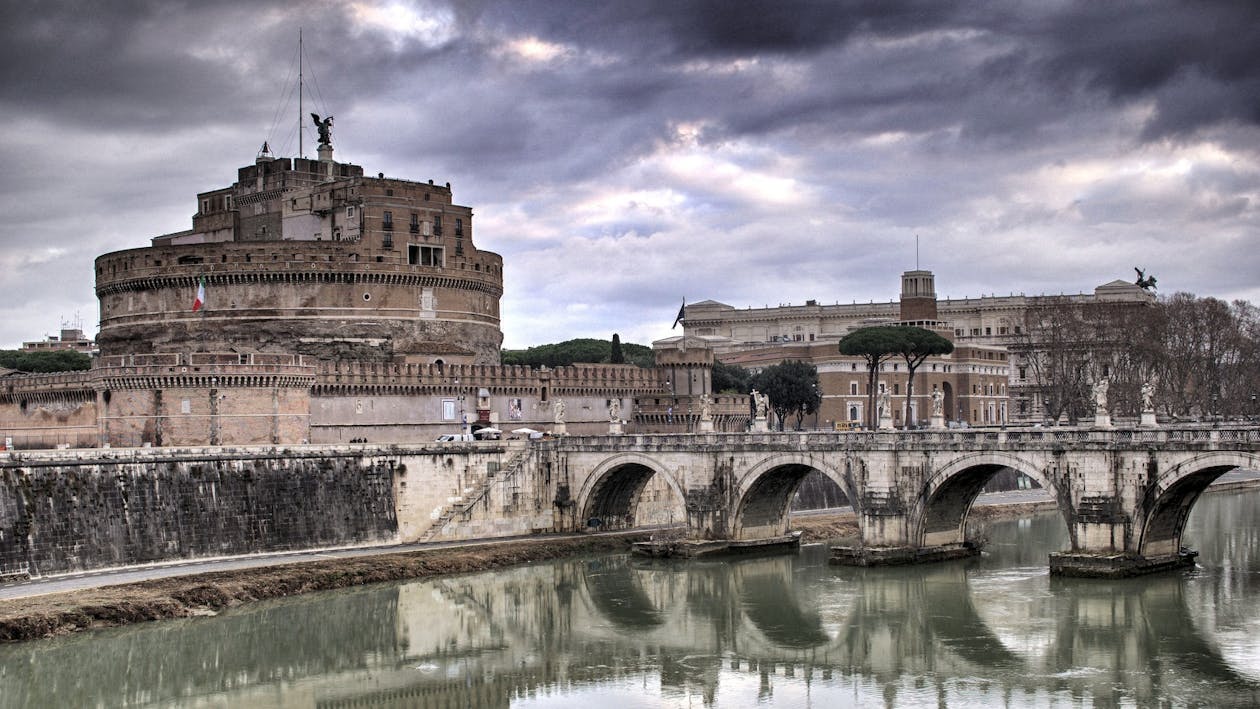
(617, 356)
(730, 379)
(875, 345)
(590, 350)
(1058, 346)
(45, 360)
(792, 388)
(916, 345)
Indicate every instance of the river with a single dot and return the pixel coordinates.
(784, 631)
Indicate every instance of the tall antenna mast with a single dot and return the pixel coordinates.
(916, 252)
(301, 150)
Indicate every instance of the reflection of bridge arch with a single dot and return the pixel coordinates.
(617, 593)
(768, 599)
(764, 493)
(939, 515)
(1169, 501)
(612, 491)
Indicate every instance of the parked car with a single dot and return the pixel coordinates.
(449, 437)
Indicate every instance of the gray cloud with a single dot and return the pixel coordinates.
(625, 155)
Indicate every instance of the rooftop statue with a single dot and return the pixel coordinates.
(324, 127)
(1144, 282)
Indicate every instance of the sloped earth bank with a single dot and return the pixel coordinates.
(206, 594)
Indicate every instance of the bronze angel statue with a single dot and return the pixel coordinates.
(324, 127)
(1143, 281)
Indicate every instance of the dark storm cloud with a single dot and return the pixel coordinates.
(1124, 52)
(770, 151)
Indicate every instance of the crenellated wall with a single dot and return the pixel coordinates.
(217, 398)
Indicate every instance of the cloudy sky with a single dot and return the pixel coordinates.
(625, 155)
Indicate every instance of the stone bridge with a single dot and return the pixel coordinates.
(1125, 494)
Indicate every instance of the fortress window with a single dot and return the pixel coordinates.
(414, 227)
(424, 255)
(387, 220)
(459, 227)
(350, 212)
(437, 224)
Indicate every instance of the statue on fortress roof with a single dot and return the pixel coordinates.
(324, 127)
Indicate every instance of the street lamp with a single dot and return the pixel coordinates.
(463, 418)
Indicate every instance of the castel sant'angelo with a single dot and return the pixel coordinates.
(311, 303)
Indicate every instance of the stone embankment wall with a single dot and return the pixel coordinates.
(61, 514)
(72, 510)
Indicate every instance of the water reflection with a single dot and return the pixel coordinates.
(782, 631)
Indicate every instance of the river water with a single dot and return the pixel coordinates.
(785, 631)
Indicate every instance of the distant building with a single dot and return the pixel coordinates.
(69, 339)
(984, 381)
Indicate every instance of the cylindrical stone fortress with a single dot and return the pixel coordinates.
(331, 300)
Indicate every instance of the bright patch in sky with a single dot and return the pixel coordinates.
(618, 205)
(720, 175)
(406, 22)
(532, 49)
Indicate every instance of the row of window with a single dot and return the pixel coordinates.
(896, 367)
(976, 332)
(387, 222)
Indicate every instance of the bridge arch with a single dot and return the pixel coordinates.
(764, 492)
(611, 493)
(1168, 502)
(939, 514)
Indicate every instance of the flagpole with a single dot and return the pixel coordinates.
(301, 149)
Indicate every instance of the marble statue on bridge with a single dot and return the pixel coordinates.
(1102, 419)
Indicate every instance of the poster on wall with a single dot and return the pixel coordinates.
(448, 409)
(514, 409)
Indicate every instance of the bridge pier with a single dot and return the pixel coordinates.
(1112, 566)
(898, 556)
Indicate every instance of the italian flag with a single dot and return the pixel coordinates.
(201, 295)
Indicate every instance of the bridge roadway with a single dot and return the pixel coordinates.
(1124, 493)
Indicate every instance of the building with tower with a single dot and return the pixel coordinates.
(986, 381)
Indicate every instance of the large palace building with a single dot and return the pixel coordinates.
(986, 380)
